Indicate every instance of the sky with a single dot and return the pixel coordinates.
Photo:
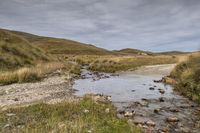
(154, 25)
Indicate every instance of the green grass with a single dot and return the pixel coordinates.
(66, 117)
(187, 75)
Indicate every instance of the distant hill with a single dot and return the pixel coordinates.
(172, 53)
(16, 51)
(131, 51)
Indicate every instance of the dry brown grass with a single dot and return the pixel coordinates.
(29, 74)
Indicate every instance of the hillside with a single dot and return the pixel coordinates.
(131, 51)
(62, 46)
(15, 51)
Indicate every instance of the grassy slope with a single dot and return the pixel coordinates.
(63, 46)
(187, 75)
(66, 117)
(16, 51)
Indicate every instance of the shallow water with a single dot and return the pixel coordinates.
(130, 87)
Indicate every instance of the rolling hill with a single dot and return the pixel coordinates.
(15, 51)
(62, 46)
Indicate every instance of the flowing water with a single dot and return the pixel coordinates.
(131, 91)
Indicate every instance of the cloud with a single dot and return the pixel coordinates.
(155, 25)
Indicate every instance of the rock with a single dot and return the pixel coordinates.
(139, 121)
(172, 119)
(151, 88)
(156, 111)
(108, 98)
(107, 110)
(161, 99)
(150, 123)
(121, 112)
(185, 130)
(89, 131)
(86, 111)
(132, 90)
(157, 81)
(16, 99)
(161, 91)
(7, 126)
(174, 110)
(10, 114)
(129, 113)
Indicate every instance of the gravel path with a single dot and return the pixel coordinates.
(51, 90)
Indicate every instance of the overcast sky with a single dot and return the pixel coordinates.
(156, 25)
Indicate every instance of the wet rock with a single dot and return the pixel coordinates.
(132, 90)
(161, 99)
(172, 119)
(174, 110)
(161, 91)
(144, 99)
(157, 81)
(129, 113)
(121, 112)
(151, 88)
(150, 123)
(156, 111)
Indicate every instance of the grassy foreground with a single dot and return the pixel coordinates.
(85, 116)
(187, 76)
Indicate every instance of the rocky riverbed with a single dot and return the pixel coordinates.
(144, 100)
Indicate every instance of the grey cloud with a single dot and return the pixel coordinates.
(144, 24)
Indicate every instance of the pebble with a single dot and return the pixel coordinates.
(107, 110)
(172, 119)
(150, 123)
(151, 88)
(10, 114)
(86, 111)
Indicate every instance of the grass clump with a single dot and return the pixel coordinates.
(65, 117)
(124, 63)
(187, 75)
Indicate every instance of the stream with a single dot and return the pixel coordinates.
(151, 105)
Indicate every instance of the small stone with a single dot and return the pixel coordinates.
(107, 110)
(86, 111)
(150, 123)
(132, 90)
(129, 114)
(161, 99)
(16, 99)
(161, 91)
(89, 131)
(7, 126)
(151, 88)
(174, 110)
(156, 111)
(10, 114)
(172, 119)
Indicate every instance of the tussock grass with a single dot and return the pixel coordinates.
(29, 74)
(187, 75)
(120, 63)
(66, 117)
